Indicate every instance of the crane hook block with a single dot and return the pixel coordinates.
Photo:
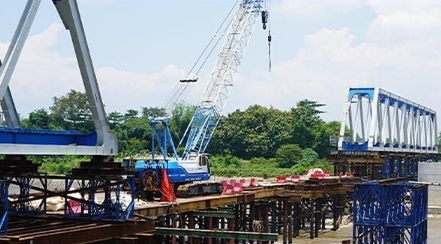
(264, 18)
(188, 80)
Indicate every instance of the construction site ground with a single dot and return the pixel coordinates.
(345, 233)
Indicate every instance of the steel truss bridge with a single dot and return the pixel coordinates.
(382, 138)
(384, 135)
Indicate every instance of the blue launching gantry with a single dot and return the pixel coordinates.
(388, 135)
(16, 142)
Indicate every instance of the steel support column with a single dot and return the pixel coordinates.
(285, 214)
(290, 221)
(337, 207)
(297, 213)
(4, 185)
(190, 225)
(265, 216)
(317, 215)
(231, 227)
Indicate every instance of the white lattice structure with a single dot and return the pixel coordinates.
(377, 120)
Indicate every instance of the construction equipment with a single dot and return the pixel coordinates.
(190, 172)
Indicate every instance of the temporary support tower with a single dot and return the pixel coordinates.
(387, 212)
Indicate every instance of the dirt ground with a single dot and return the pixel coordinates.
(345, 233)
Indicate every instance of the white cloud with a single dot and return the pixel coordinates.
(328, 62)
(306, 9)
(42, 73)
(405, 20)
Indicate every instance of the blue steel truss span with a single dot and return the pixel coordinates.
(377, 120)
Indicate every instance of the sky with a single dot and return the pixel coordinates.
(140, 50)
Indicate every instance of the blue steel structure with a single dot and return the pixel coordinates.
(24, 203)
(112, 206)
(193, 164)
(387, 133)
(16, 142)
(390, 212)
(4, 210)
(80, 196)
(162, 135)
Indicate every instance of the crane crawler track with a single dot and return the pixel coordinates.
(199, 189)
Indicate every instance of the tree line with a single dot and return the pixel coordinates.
(257, 138)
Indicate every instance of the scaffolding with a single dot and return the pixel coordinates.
(390, 211)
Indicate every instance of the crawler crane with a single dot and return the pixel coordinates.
(190, 172)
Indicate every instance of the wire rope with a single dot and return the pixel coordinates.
(180, 89)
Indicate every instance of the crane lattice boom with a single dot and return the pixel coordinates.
(212, 103)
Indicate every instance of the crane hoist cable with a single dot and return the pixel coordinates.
(265, 19)
(184, 91)
(180, 88)
(215, 35)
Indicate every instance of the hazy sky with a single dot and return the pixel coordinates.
(142, 48)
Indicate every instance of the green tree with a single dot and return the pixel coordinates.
(115, 118)
(308, 157)
(302, 135)
(306, 119)
(323, 132)
(39, 119)
(147, 112)
(180, 118)
(308, 113)
(73, 111)
(288, 155)
(256, 132)
(130, 114)
(137, 130)
(42, 119)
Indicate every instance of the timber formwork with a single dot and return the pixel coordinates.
(379, 165)
(390, 211)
